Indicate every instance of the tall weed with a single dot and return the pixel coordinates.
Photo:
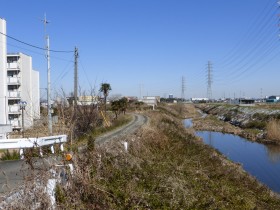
(273, 130)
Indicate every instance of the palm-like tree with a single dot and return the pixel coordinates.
(105, 89)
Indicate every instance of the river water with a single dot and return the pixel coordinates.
(261, 161)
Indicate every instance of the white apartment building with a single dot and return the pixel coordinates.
(22, 86)
(3, 74)
(18, 83)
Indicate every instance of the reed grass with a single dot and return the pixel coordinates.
(273, 130)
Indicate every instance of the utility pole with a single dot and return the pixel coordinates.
(76, 54)
(49, 78)
(209, 80)
(22, 105)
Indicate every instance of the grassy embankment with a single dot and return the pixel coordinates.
(166, 167)
(259, 123)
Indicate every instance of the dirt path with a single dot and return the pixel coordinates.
(137, 122)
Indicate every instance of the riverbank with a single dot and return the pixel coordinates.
(248, 122)
(257, 159)
(165, 167)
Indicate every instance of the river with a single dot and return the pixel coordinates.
(261, 161)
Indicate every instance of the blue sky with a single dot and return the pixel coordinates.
(153, 43)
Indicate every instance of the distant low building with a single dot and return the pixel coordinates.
(83, 100)
(242, 101)
(131, 98)
(273, 99)
(151, 100)
(87, 100)
(199, 99)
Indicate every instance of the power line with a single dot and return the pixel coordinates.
(263, 46)
(63, 73)
(246, 67)
(87, 77)
(259, 23)
(40, 48)
(41, 54)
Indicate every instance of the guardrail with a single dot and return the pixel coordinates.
(59, 175)
(24, 143)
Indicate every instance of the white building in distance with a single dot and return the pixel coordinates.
(19, 84)
(199, 99)
(151, 100)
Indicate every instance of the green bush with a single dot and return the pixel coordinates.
(227, 117)
(59, 195)
(256, 124)
(90, 143)
(276, 116)
(260, 116)
(7, 155)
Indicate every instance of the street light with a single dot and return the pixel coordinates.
(22, 105)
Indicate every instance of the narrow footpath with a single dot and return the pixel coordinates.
(137, 122)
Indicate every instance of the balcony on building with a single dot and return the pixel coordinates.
(15, 123)
(13, 66)
(15, 120)
(14, 109)
(13, 80)
(14, 94)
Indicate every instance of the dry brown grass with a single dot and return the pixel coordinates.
(273, 130)
(165, 168)
(180, 110)
(72, 122)
(31, 194)
(269, 106)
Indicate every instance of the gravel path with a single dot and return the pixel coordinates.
(137, 122)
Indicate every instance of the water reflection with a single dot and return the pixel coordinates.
(273, 152)
(259, 160)
(210, 138)
(188, 123)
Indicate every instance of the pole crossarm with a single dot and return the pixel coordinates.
(32, 142)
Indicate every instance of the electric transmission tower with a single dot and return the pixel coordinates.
(209, 80)
(183, 89)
